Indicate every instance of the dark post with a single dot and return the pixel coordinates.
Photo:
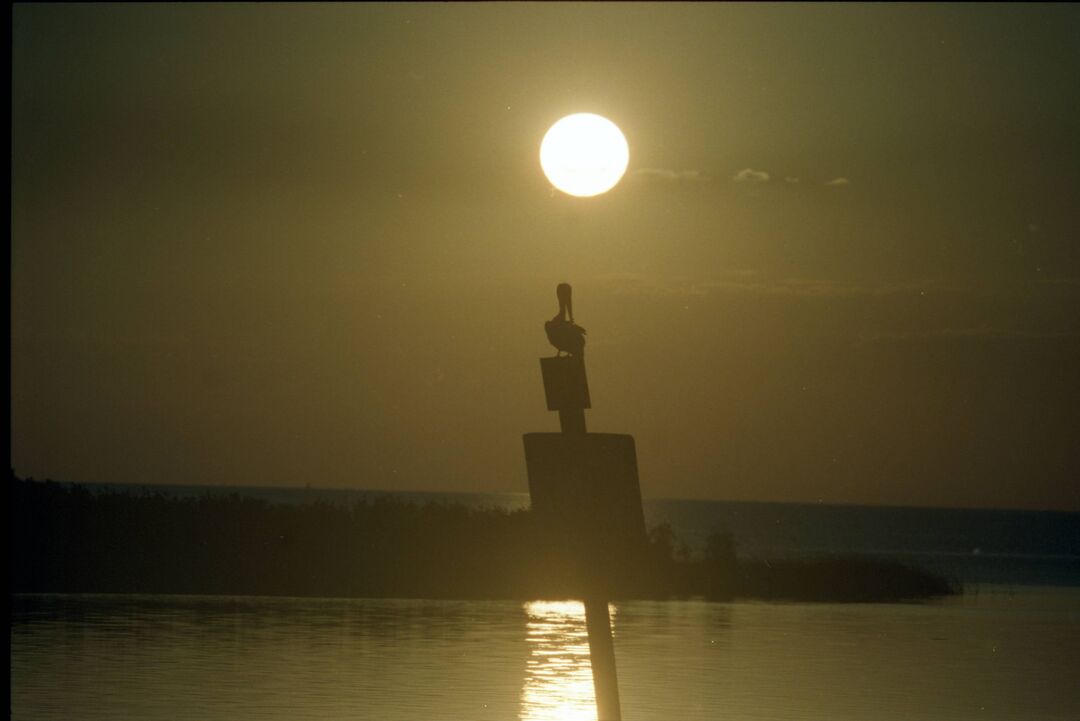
(597, 619)
(585, 493)
(602, 656)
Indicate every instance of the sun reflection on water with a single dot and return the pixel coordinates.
(558, 675)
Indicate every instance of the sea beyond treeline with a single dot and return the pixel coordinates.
(305, 541)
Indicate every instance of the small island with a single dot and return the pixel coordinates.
(67, 539)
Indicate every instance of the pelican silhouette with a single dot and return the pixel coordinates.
(562, 332)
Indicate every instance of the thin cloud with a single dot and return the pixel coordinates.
(838, 181)
(809, 288)
(790, 179)
(750, 175)
(981, 334)
(640, 284)
(1065, 283)
(752, 282)
(670, 176)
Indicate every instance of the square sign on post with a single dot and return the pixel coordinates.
(565, 385)
(587, 499)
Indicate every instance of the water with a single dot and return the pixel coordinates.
(1005, 653)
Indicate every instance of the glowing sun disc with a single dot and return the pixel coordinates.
(584, 155)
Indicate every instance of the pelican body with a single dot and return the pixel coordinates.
(562, 332)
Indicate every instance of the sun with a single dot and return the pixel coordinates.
(584, 155)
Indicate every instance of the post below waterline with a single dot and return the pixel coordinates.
(602, 657)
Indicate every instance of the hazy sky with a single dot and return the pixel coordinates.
(288, 244)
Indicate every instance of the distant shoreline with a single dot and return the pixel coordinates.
(974, 546)
(67, 539)
(258, 491)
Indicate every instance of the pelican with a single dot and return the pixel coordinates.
(562, 332)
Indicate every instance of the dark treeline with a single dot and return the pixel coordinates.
(66, 539)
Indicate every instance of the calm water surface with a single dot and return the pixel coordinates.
(1001, 654)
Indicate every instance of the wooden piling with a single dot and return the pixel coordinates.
(608, 512)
